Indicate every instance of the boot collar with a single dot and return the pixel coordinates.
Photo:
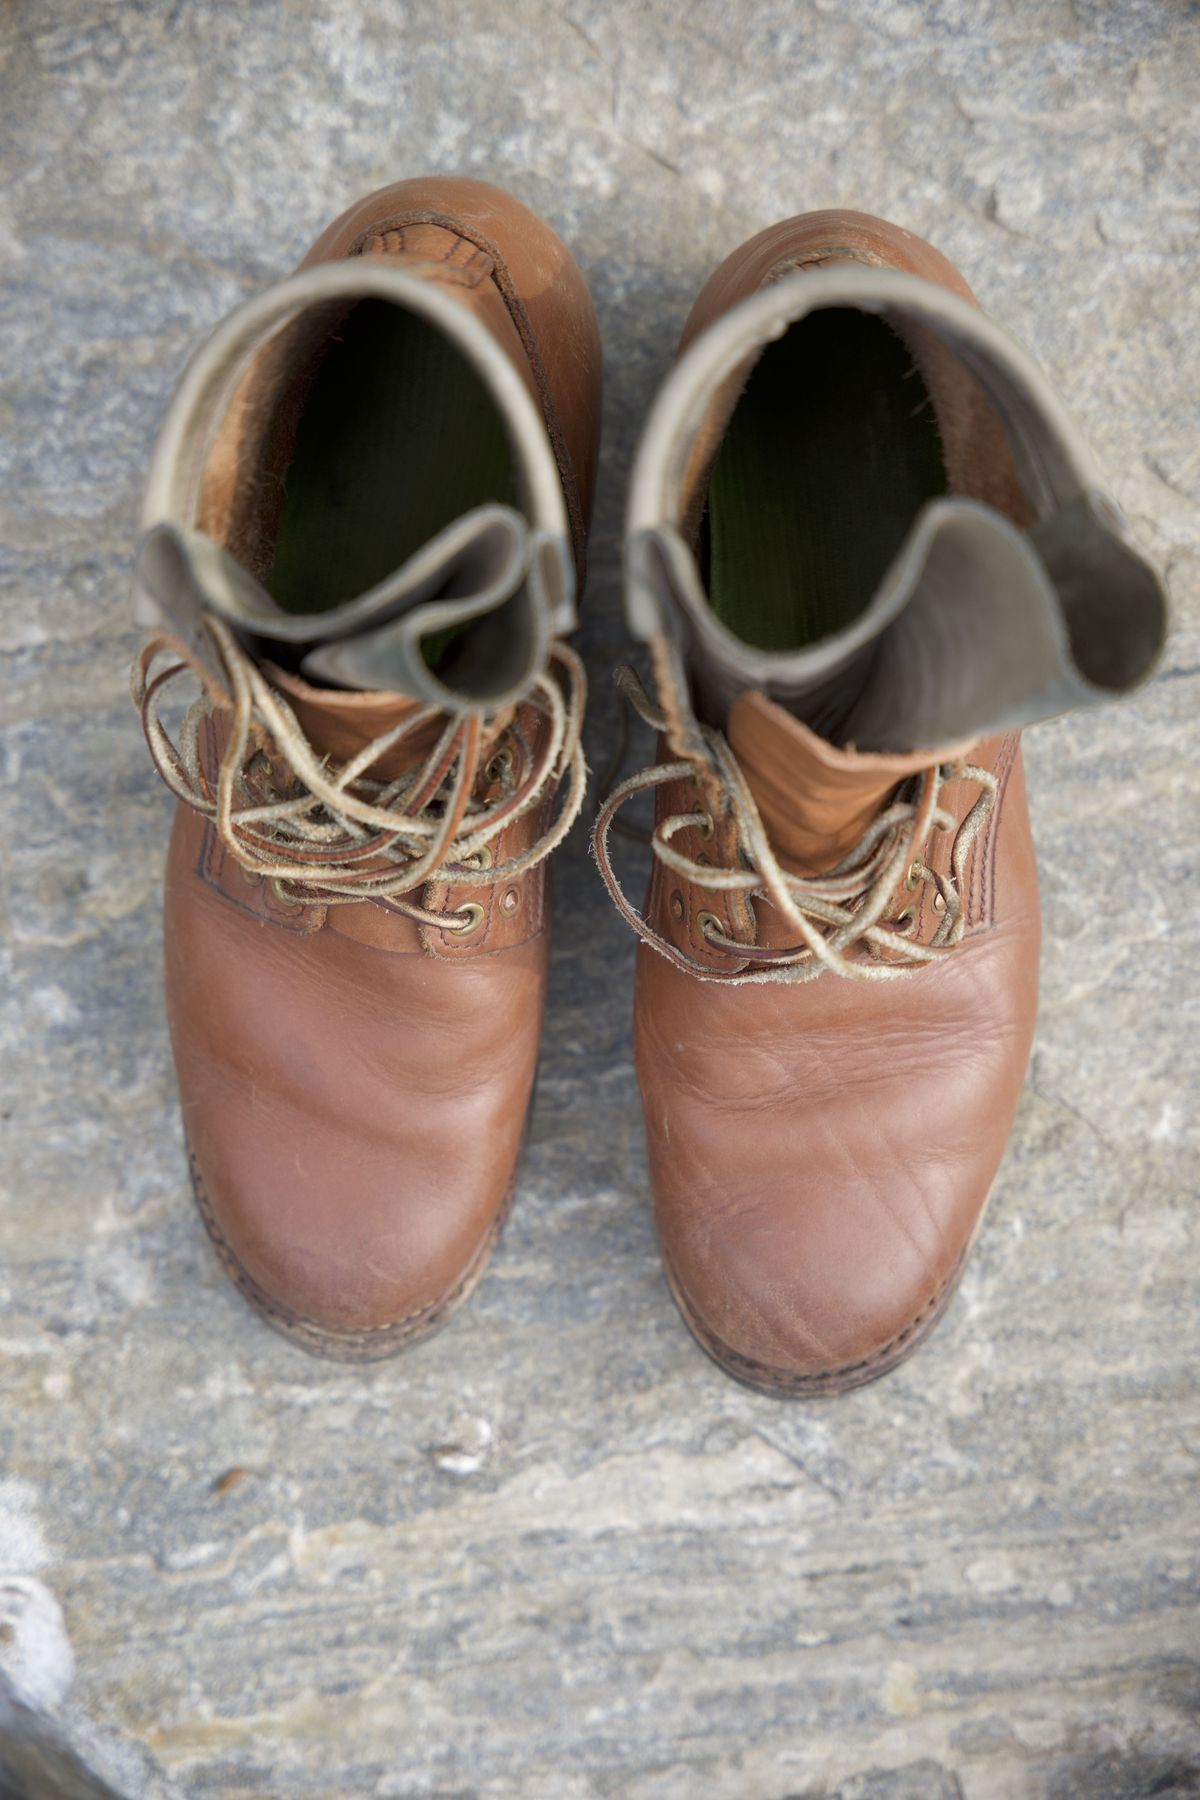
(1071, 612)
(519, 565)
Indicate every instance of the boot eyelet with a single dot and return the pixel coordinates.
(706, 826)
(472, 915)
(677, 906)
(484, 857)
(706, 922)
(500, 763)
(510, 901)
(906, 921)
(913, 879)
(939, 902)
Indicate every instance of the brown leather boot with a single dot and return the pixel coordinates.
(366, 522)
(865, 547)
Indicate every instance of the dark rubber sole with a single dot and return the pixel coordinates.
(368, 1344)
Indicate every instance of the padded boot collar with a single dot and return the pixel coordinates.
(981, 624)
(495, 565)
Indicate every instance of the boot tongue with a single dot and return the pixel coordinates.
(815, 800)
(464, 623)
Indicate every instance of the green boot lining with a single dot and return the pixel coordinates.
(830, 453)
(398, 438)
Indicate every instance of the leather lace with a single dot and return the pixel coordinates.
(336, 835)
(834, 913)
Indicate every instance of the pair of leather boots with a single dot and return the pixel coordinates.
(865, 547)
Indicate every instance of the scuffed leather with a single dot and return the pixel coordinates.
(355, 1111)
(821, 1154)
(355, 1087)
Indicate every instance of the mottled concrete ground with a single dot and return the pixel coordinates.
(553, 1554)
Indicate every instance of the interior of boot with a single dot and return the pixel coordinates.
(831, 451)
(397, 438)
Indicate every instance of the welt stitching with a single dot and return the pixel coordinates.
(733, 1359)
(303, 1329)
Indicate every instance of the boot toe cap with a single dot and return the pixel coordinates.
(801, 1298)
(353, 1259)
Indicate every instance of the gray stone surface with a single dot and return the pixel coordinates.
(978, 1578)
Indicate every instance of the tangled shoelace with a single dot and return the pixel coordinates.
(341, 835)
(831, 913)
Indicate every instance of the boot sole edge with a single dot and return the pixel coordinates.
(359, 1345)
(782, 1384)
